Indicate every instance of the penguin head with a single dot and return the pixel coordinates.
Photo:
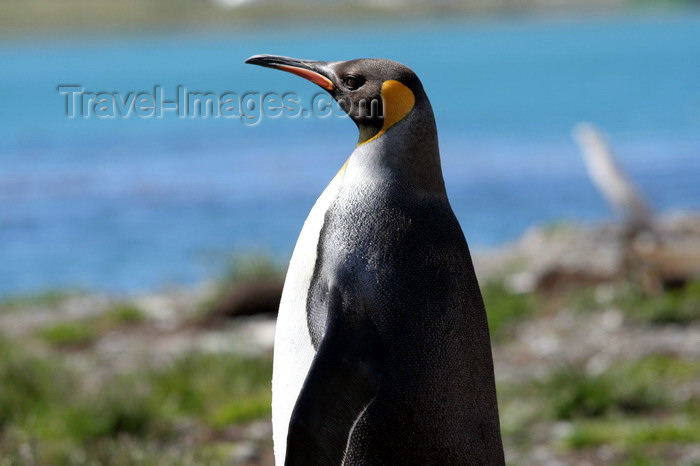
(375, 93)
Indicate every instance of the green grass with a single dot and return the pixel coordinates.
(671, 307)
(505, 308)
(42, 397)
(627, 388)
(573, 394)
(629, 405)
(70, 334)
(28, 384)
(83, 332)
(681, 306)
(676, 306)
(124, 314)
(246, 408)
(660, 369)
(220, 389)
(47, 406)
(119, 451)
(629, 433)
(642, 459)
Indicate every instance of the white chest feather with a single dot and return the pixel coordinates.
(293, 351)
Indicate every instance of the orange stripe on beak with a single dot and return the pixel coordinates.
(312, 76)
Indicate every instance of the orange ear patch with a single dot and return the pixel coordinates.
(398, 101)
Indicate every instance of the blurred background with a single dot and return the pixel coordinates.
(141, 259)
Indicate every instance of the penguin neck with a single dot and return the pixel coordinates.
(407, 153)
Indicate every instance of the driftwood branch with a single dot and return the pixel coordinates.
(639, 241)
(609, 178)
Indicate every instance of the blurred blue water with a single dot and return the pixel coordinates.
(128, 205)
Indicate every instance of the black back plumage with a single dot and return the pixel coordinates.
(401, 262)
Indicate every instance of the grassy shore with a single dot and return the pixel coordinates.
(51, 412)
(61, 403)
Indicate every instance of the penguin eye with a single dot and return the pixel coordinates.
(353, 82)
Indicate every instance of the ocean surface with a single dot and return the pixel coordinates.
(128, 205)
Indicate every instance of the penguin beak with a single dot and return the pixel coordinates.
(314, 71)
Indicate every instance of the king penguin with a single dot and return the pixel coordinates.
(382, 353)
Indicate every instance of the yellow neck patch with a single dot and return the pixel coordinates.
(397, 100)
